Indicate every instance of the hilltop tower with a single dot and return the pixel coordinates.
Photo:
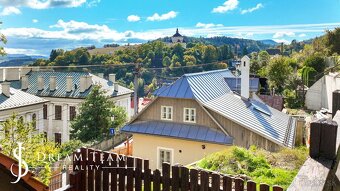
(177, 38)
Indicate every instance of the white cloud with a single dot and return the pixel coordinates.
(35, 20)
(283, 33)
(229, 5)
(208, 25)
(165, 16)
(21, 51)
(133, 18)
(72, 34)
(282, 40)
(10, 11)
(258, 6)
(302, 35)
(42, 4)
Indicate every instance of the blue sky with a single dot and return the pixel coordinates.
(37, 26)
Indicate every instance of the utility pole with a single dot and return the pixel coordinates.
(135, 97)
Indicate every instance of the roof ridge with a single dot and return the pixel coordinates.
(205, 72)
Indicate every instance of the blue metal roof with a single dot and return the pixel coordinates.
(256, 116)
(202, 86)
(235, 84)
(191, 132)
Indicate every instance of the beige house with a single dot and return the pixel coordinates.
(25, 105)
(65, 91)
(199, 114)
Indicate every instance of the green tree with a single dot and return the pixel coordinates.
(16, 130)
(209, 54)
(55, 53)
(4, 41)
(166, 61)
(333, 40)
(278, 72)
(95, 117)
(263, 58)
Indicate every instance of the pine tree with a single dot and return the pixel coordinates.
(97, 115)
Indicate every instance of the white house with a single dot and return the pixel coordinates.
(25, 105)
(319, 95)
(64, 91)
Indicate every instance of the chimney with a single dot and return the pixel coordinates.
(82, 84)
(69, 83)
(40, 83)
(12, 74)
(53, 83)
(112, 78)
(24, 82)
(88, 81)
(5, 86)
(245, 64)
(115, 86)
(2, 75)
(101, 75)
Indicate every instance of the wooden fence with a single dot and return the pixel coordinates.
(55, 181)
(121, 173)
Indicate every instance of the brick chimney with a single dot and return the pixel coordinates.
(245, 66)
(24, 82)
(69, 83)
(85, 83)
(40, 83)
(5, 88)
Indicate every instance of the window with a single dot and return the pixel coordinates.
(164, 155)
(166, 112)
(57, 112)
(189, 115)
(57, 138)
(73, 112)
(45, 111)
(34, 120)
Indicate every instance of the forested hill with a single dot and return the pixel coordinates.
(250, 45)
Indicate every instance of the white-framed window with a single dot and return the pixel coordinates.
(166, 112)
(164, 155)
(189, 115)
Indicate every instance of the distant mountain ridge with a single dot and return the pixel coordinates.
(11, 60)
(237, 43)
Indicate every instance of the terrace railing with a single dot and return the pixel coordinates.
(103, 171)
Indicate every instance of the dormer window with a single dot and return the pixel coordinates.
(189, 115)
(166, 112)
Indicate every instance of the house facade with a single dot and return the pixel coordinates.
(319, 95)
(24, 105)
(65, 91)
(199, 114)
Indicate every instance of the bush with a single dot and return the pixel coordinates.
(261, 166)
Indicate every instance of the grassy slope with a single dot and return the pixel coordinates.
(261, 166)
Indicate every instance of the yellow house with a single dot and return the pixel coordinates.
(198, 114)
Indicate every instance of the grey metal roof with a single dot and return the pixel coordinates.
(178, 130)
(235, 84)
(256, 116)
(18, 99)
(61, 85)
(203, 86)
